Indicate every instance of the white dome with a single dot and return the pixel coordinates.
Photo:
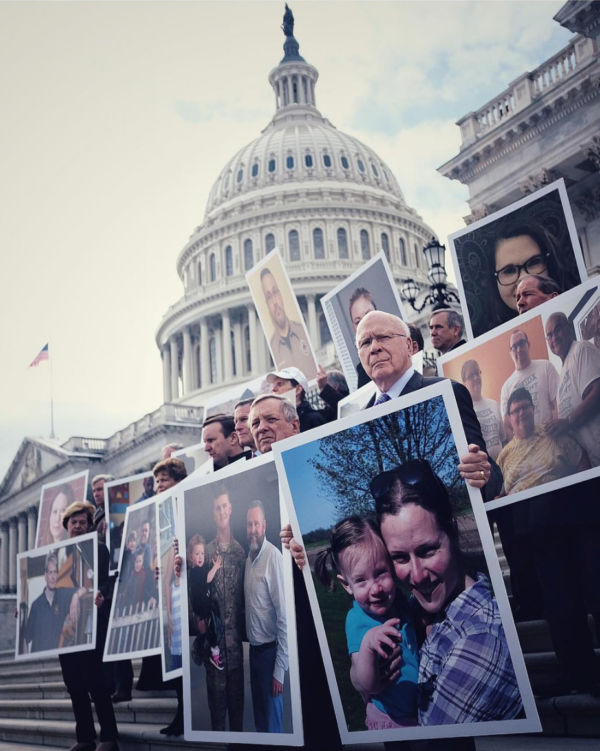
(333, 157)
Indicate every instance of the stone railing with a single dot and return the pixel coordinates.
(526, 89)
(166, 413)
(86, 445)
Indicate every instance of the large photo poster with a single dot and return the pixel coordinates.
(535, 385)
(170, 588)
(371, 287)
(224, 402)
(240, 666)
(134, 625)
(54, 499)
(118, 496)
(195, 459)
(412, 615)
(56, 585)
(535, 235)
(280, 316)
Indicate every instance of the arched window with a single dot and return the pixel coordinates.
(364, 245)
(255, 170)
(374, 168)
(212, 353)
(327, 160)
(272, 165)
(360, 164)
(213, 268)
(402, 252)
(240, 175)
(324, 330)
(385, 245)
(233, 362)
(342, 241)
(417, 257)
(289, 162)
(199, 274)
(294, 241)
(229, 261)
(308, 160)
(345, 162)
(318, 243)
(248, 255)
(247, 348)
(269, 242)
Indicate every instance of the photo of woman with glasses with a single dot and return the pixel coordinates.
(536, 236)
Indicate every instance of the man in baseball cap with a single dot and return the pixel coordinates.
(288, 379)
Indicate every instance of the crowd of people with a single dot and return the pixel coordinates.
(236, 596)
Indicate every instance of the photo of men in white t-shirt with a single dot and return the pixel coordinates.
(487, 410)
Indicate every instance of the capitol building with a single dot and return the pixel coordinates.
(326, 200)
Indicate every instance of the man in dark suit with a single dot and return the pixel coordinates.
(385, 350)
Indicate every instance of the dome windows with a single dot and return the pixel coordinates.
(326, 160)
(417, 257)
(248, 255)
(374, 168)
(272, 165)
(342, 242)
(229, 261)
(212, 264)
(254, 172)
(240, 175)
(360, 164)
(269, 242)
(365, 246)
(318, 244)
(345, 162)
(289, 162)
(308, 160)
(294, 242)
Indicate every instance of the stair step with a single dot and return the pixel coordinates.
(543, 668)
(577, 716)
(145, 711)
(133, 736)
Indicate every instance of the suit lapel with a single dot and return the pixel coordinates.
(414, 384)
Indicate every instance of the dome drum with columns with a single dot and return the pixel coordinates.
(326, 200)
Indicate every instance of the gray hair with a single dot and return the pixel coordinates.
(52, 556)
(453, 318)
(337, 380)
(106, 478)
(258, 504)
(545, 285)
(287, 408)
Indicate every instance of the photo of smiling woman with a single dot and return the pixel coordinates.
(403, 579)
(533, 236)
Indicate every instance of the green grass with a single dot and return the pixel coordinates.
(334, 608)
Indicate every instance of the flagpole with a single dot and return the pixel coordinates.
(52, 436)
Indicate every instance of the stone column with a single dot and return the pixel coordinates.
(313, 329)
(227, 361)
(174, 368)
(166, 360)
(187, 360)
(204, 354)
(12, 554)
(31, 527)
(4, 557)
(263, 350)
(219, 355)
(253, 343)
(239, 357)
(22, 527)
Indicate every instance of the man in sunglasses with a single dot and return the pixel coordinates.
(385, 350)
(539, 377)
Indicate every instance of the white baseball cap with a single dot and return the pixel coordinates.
(289, 374)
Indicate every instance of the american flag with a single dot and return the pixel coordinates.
(44, 355)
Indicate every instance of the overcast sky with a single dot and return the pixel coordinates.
(117, 117)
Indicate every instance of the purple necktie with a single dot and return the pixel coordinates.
(382, 398)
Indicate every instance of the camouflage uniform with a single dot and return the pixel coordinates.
(294, 350)
(226, 687)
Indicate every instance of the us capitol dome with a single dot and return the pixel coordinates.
(326, 200)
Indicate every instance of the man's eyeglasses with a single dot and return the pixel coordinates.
(382, 339)
(552, 334)
(511, 273)
(519, 345)
(522, 408)
(412, 473)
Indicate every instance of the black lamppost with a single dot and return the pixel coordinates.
(439, 295)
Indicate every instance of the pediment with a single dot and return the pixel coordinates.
(32, 460)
